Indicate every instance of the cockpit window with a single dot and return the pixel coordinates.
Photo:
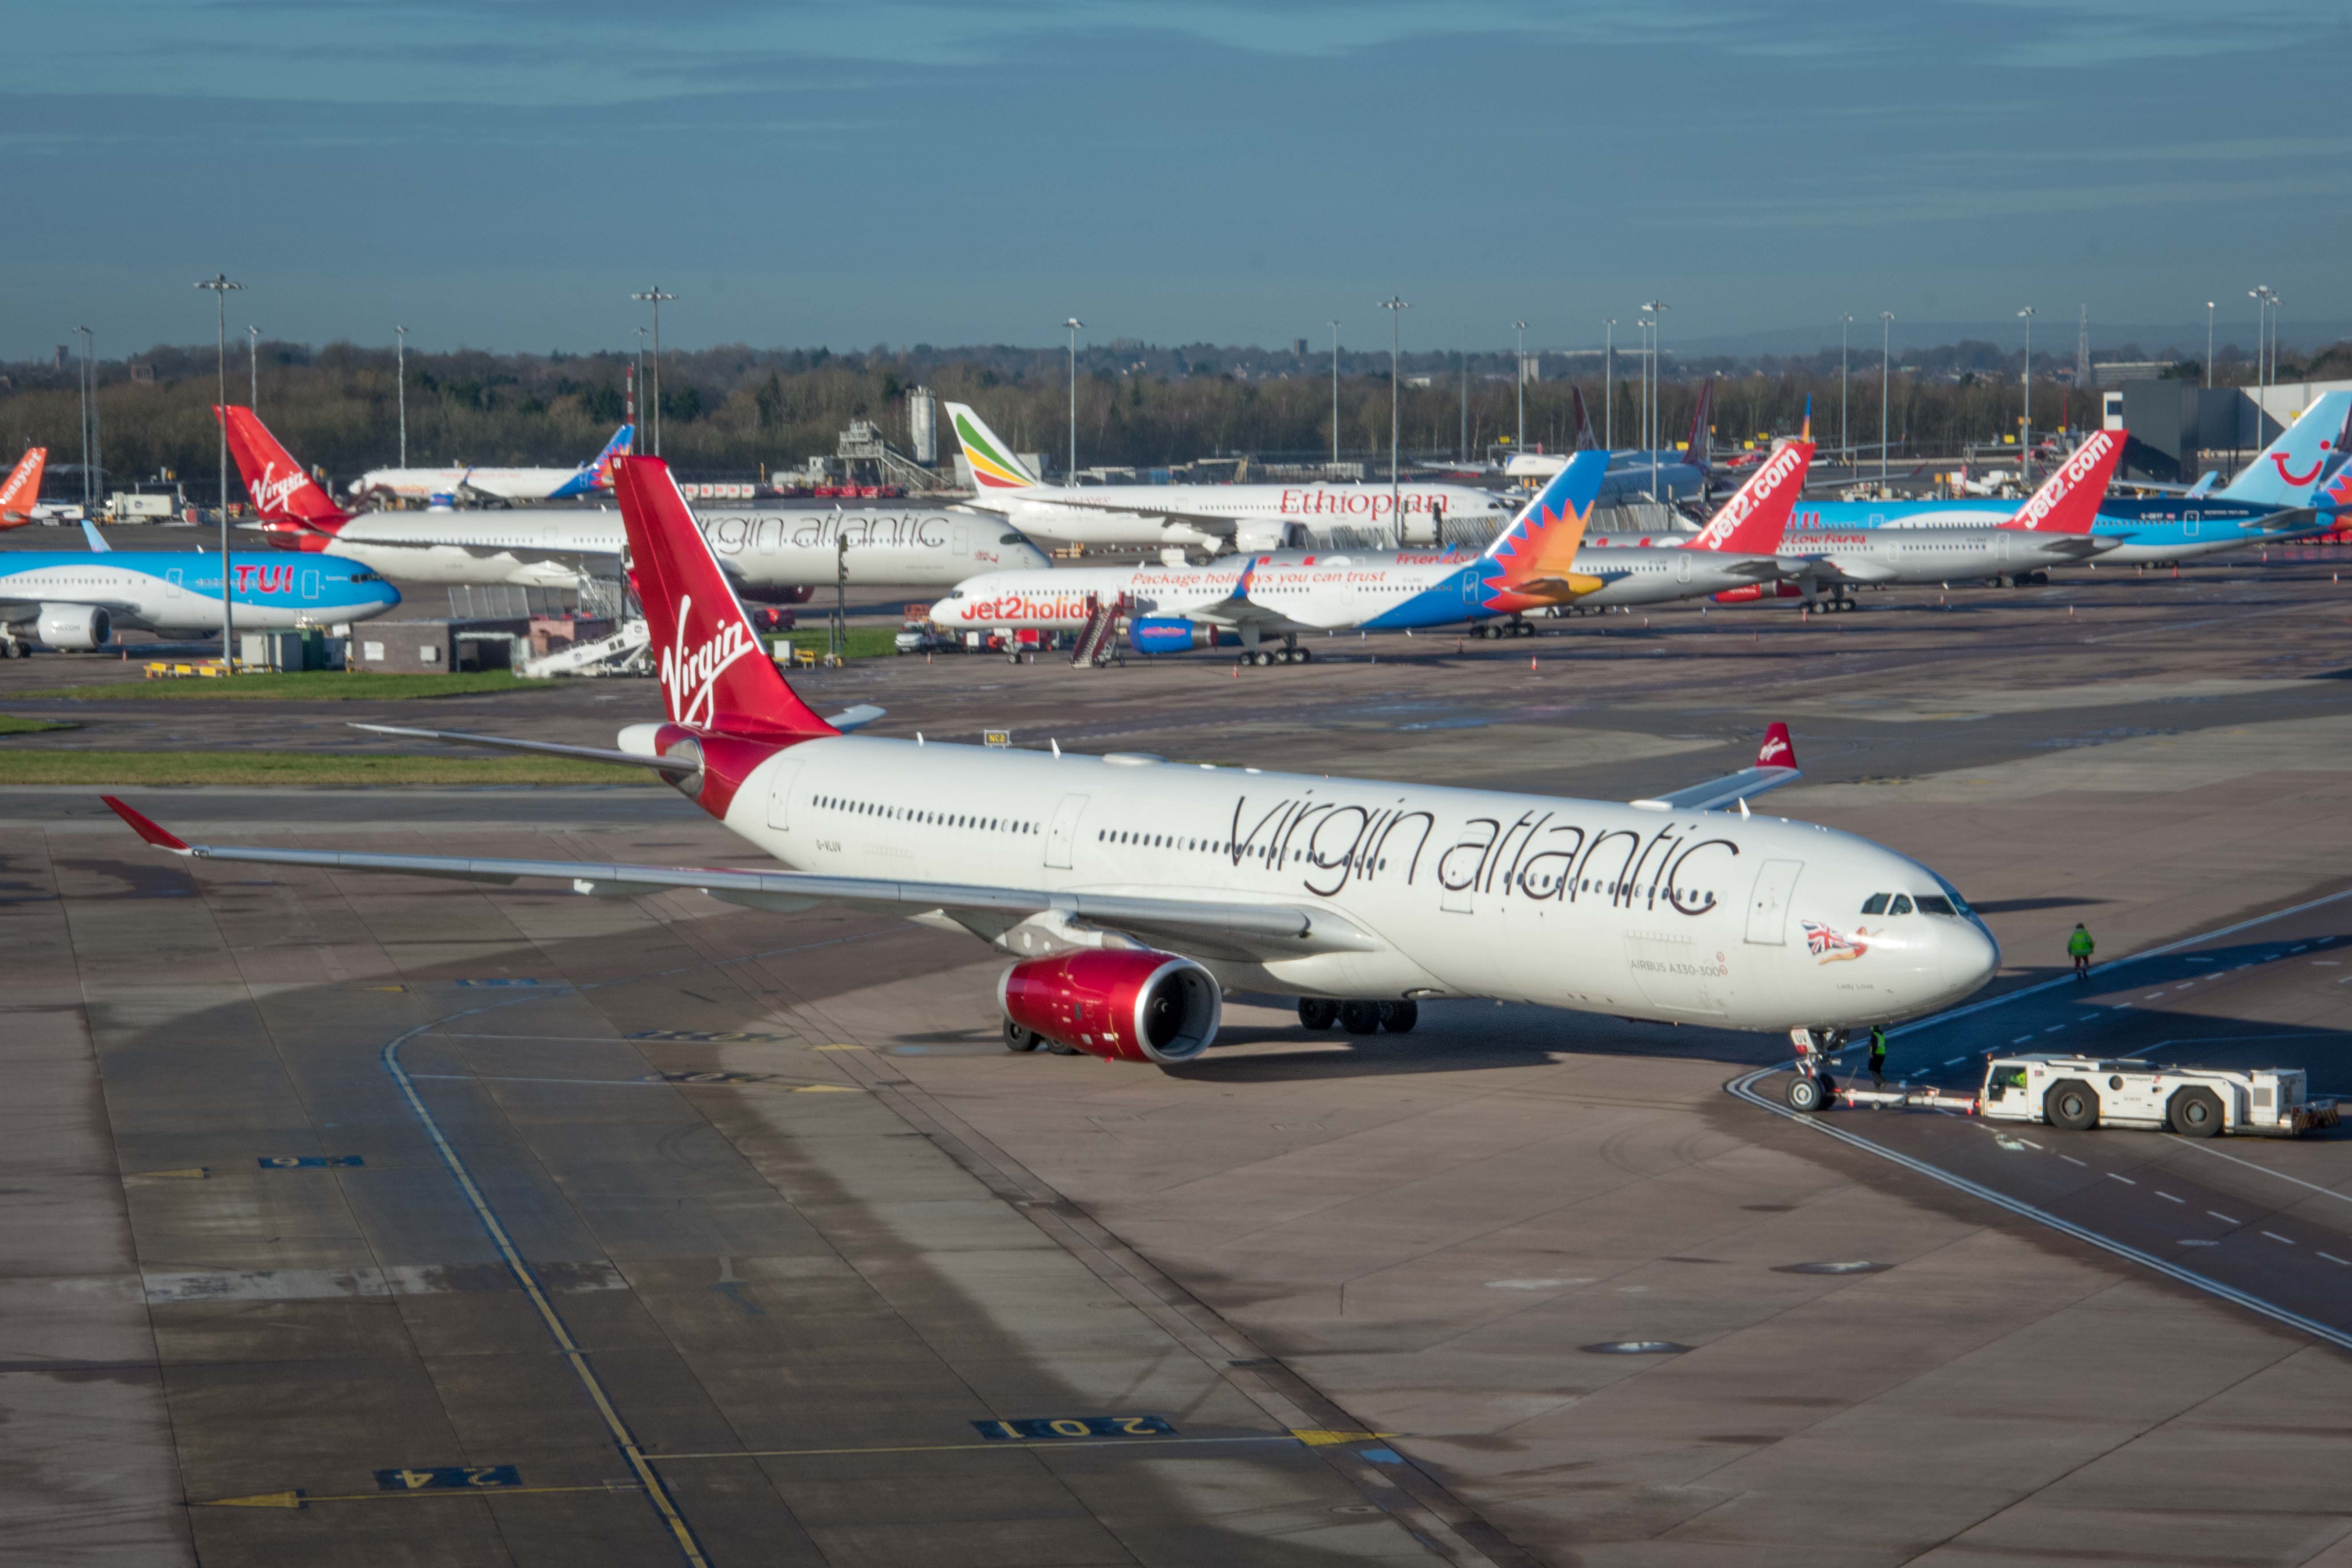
(1936, 904)
(1901, 906)
(1012, 539)
(1875, 904)
(955, 593)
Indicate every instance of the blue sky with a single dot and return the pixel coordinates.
(503, 175)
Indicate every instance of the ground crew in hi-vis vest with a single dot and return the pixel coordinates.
(2079, 947)
(1878, 1056)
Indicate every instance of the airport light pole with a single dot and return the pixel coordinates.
(1608, 383)
(1396, 308)
(1335, 399)
(1521, 369)
(2025, 450)
(87, 340)
(1885, 374)
(654, 296)
(641, 437)
(2209, 345)
(1845, 325)
(253, 367)
(1073, 324)
(1657, 310)
(400, 360)
(221, 289)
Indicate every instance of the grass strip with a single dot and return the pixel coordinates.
(59, 766)
(865, 642)
(318, 686)
(12, 725)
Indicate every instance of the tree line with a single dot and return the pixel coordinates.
(733, 410)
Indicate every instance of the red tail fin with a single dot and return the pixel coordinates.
(280, 489)
(1778, 750)
(1702, 436)
(2068, 500)
(715, 674)
(1753, 519)
(23, 490)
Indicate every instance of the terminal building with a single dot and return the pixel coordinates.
(2180, 429)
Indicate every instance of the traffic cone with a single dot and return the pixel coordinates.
(1532, 666)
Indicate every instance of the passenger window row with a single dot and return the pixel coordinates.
(913, 813)
(1213, 846)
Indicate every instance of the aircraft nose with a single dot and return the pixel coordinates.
(1970, 956)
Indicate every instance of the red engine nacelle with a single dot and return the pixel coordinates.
(1755, 591)
(1129, 1004)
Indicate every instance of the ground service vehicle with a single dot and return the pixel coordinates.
(2075, 1094)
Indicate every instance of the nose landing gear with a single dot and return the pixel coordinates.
(1813, 1088)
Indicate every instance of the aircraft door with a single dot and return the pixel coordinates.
(783, 774)
(1682, 566)
(311, 584)
(171, 585)
(1063, 836)
(1768, 906)
(961, 539)
(1470, 587)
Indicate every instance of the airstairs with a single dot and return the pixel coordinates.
(623, 653)
(1099, 642)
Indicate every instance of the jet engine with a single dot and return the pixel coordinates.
(1272, 534)
(1174, 634)
(1751, 593)
(1129, 1004)
(78, 628)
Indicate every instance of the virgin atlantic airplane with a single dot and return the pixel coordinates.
(1132, 892)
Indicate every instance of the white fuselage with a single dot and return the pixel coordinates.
(1943, 554)
(1589, 905)
(1660, 574)
(1264, 517)
(506, 484)
(1292, 590)
(553, 548)
(175, 592)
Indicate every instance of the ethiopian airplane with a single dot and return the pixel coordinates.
(448, 486)
(2271, 501)
(1248, 599)
(1132, 893)
(76, 601)
(1207, 518)
(768, 555)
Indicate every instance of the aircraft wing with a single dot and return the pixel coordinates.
(1776, 765)
(1844, 569)
(1207, 522)
(1217, 929)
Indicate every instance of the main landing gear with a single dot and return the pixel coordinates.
(1358, 1017)
(1497, 630)
(1017, 1038)
(1813, 1088)
(1288, 653)
(1832, 606)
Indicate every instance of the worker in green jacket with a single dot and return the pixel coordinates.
(2079, 947)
